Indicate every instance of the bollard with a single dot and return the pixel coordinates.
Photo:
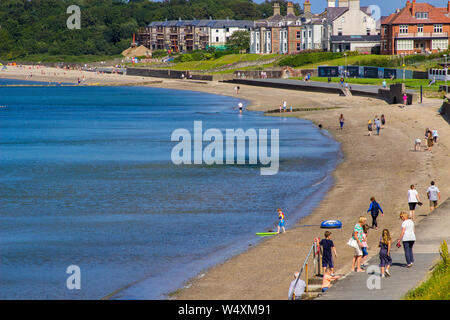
(307, 277)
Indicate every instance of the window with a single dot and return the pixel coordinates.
(310, 33)
(439, 44)
(368, 31)
(339, 31)
(228, 29)
(299, 47)
(421, 15)
(420, 28)
(217, 39)
(405, 44)
(298, 34)
(438, 28)
(304, 33)
(403, 28)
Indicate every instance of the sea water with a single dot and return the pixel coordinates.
(86, 180)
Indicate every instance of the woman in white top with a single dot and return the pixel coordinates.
(413, 200)
(408, 238)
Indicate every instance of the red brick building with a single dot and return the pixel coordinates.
(417, 28)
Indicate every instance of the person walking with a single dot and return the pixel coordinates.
(370, 127)
(383, 121)
(434, 195)
(365, 246)
(435, 135)
(405, 99)
(385, 253)
(374, 210)
(430, 140)
(378, 126)
(413, 200)
(356, 240)
(341, 121)
(327, 257)
(408, 238)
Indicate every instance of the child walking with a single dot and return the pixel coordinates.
(385, 253)
(364, 246)
(327, 258)
(281, 221)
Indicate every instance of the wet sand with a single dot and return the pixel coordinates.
(382, 166)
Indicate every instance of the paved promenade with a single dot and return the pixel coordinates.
(430, 233)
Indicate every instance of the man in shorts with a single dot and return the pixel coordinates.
(434, 195)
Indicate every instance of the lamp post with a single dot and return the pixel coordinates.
(403, 65)
(346, 67)
(446, 88)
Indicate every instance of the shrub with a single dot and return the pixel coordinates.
(311, 57)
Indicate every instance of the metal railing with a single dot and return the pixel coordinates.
(421, 35)
(314, 249)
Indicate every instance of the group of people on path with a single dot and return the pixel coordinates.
(377, 124)
(431, 137)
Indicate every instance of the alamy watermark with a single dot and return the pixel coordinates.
(223, 149)
(374, 280)
(74, 280)
(74, 20)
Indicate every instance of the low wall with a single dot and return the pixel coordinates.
(445, 111)
(176, 74)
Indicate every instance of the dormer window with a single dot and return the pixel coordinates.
(421, 15)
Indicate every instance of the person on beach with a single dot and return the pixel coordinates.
(297, 288)
(378, 126)
(341, 121)
(241, 107)
(374, 210)
(327, 280)
(434, 195)
(281, 222)
(383, 121)
(405, 99)
(284, 105)
(327, 246)
(358, 237)
(435, 135)
(413, 200)
(430, 140)
(384, 84)
(370, 127)
(236, 89)
(364, 246)
(385, 253)
(408, 237)
(342, 82)
(417, 144)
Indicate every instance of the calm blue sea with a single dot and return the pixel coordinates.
(86, 179)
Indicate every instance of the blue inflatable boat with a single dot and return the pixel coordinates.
(331, 224)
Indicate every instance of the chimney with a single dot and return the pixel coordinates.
(343, 3)
(353, 5)
(413, 8)
(307, 6)
(331, 3)
(290, 9)
(276, 9)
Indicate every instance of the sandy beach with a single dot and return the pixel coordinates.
(382, 166)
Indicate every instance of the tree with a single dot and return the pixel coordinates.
(239, 40)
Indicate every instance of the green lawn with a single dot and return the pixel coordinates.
(437, 286)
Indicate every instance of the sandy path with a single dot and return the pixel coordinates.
(381, 166)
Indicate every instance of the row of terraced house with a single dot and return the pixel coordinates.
(344, 25)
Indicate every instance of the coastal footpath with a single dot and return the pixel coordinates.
(382, 166)
(430, 233)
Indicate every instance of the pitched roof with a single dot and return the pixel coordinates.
(405, 16)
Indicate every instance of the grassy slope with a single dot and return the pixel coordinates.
(437, 286)
(222, 61)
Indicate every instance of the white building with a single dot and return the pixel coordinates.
(312, 34)
(221, 30)
(349, 26)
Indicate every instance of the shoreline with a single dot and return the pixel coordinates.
(386, 167)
